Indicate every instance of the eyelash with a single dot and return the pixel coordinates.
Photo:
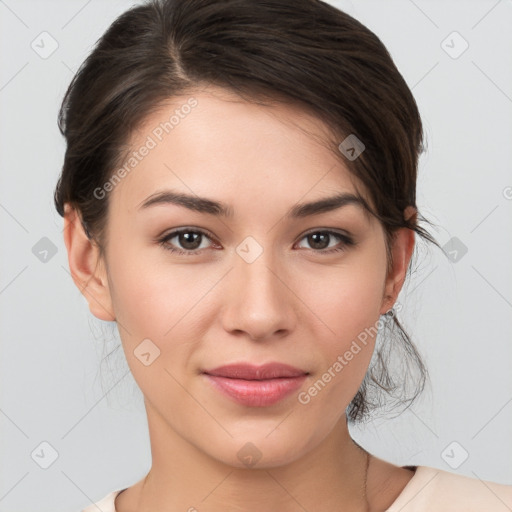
(163, 241)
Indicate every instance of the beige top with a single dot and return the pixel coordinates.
(429, 490)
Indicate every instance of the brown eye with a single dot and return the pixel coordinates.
(320, 240)
(188, 241)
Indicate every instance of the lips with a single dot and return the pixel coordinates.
(256, 386)
(251, 372)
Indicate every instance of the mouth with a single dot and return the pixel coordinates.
(256, 386)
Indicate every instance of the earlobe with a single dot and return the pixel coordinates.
(87, 267)
(402, 249)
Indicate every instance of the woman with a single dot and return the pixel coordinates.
(239, 196)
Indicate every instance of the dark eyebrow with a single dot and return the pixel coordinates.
(196, 203)
(211, 207)
(326, 204)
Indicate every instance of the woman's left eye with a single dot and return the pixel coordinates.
(318, 239)
(190, 240)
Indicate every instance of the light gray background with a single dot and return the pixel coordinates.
(459, 313)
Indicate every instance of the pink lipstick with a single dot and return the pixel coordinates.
(256, 386)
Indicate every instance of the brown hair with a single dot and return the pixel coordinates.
(305, 52)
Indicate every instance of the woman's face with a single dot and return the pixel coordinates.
(262, 284)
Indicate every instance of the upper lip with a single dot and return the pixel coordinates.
(249, 371)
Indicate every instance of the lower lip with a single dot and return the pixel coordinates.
(257, 393)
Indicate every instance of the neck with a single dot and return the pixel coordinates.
(184, 478)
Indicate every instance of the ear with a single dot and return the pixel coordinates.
(86, 266)
(402, 249)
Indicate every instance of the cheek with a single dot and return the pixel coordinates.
(344, 357)
(156, 304)
(347, 298)
(350, 307)
(150, 295)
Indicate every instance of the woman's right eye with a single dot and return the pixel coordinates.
(187, 238)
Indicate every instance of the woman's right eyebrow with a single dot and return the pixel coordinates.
(220, 209)
(192, 202)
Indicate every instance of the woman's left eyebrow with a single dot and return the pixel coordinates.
(217, 208)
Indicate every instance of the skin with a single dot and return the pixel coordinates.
(293, 304)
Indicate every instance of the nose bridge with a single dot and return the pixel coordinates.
(257, 273)
(258, 301)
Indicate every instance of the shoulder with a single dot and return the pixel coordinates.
(107, 504)
(436, 490)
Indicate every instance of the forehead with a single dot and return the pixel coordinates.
(214, 143)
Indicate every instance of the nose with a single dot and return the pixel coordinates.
(258, 299)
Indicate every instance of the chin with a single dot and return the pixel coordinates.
(261, 450)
